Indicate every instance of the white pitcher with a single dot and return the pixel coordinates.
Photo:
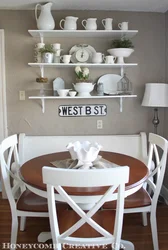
(90, 24)
(69, 23)
(45, 21)
(107, 23)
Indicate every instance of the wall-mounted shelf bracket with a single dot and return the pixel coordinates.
(41, 37)
(122, 71)
(43, 105)
(121, 104)
(42, 70)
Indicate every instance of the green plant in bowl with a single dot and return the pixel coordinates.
(48, 48)
(122, 43)
(121, 48)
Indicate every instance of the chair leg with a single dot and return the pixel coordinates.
(127, 245)
(22, 223)
(14, 232)
(144, 219)
(154, 231)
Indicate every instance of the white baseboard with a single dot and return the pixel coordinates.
(164, 193)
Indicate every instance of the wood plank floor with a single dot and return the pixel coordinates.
(132, 230)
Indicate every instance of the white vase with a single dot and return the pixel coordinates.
(47, 57)
(84, 88)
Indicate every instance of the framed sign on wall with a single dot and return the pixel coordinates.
(82, 110)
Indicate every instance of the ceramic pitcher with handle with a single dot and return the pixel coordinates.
(90, 24)
(70, 23)
(45, 21)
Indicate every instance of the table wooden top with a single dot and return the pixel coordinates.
(31, 171)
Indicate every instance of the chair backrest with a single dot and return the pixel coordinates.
(112, 178)
(34, 146)
(158, 149)
(9, 165)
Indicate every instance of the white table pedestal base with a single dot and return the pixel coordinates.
(44, 236)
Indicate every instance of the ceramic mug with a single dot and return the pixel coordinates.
(56, 46)
(39, 45)
(107, 23)
(47, 57)
(110, 59)
(123, 26)
(90, 24)
(56, 59)
(70, 23)
(97, 57)
(72, 93)
(65, 58)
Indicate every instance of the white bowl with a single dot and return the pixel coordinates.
(63, 92)
(83, 88)
(72, 93)
(86, 152)
(120, 52)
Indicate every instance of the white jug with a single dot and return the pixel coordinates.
(45, 20)
(97, 57)
(69, 23)
(107, 23)
(90, 24)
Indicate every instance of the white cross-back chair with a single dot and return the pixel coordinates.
(143, 201)
(113, 178)
(28, 204)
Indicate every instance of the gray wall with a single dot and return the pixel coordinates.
(26, 116)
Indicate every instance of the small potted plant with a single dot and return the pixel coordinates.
(83, 86)
(121, 48)
(47, 53)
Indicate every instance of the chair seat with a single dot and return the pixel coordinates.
(67, 218)
(29, 201)
(139, 199)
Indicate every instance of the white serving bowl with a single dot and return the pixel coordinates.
(63, 92)
(83, 88)
(120, 52)
(86, 152)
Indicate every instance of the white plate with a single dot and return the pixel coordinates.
(58, 83)
(110, 83)
(75, 48)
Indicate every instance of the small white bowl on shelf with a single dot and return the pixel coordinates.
(63, 92)
(72, 93)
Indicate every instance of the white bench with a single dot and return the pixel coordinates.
(132, 145)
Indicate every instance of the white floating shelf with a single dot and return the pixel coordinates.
(83, 33)
(68, 65)
(43, 98)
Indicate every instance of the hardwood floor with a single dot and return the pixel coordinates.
(132, 229)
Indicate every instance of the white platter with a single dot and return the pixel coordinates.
(86, 47)
(110, 83)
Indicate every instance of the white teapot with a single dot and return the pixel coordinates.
(45, 21)
(90, 24)
(70, 23)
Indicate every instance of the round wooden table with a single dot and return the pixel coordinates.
(31, 173)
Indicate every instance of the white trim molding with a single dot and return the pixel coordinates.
(164, 193)
(3, 107)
